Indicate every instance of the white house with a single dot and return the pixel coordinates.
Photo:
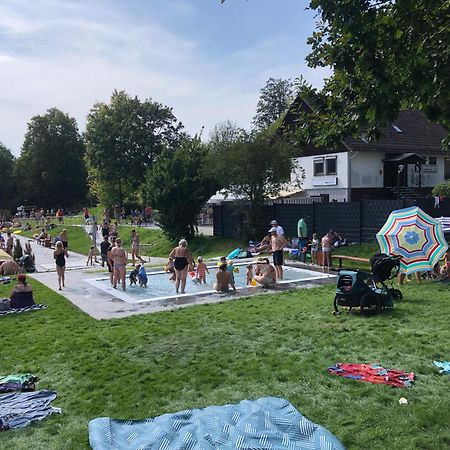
(407, 160)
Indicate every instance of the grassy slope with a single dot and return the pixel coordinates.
(278, 345)
(206, 246)
(79, 240)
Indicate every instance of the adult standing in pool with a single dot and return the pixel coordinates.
(120, 258)
(183, 261)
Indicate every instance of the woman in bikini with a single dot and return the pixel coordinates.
(60, 255)
(183, 262)
(119, 258)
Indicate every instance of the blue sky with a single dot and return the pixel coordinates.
(206, 60)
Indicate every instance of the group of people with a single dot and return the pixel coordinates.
(181, 263)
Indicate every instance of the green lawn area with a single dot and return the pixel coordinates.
(79, 240)
(206, 246)
(274, 345)
(361, 250)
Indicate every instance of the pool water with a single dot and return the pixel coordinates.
(160, 286)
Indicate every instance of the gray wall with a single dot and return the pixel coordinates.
(357, 221)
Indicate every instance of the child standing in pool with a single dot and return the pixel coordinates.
(202, 270)
(249, 274)
(232, 269)
(142, 277)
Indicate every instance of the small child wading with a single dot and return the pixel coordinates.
(249, 274)
(314, 249)
(91, 255)
(202, 270)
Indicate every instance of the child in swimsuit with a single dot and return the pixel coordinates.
(249, 274)
(142, 275)
(134, 275)
(90, 258)
(202, 270)
(170, 268)
(232, 269)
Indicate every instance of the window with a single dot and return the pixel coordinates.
(319, 167)
(325, 166)
(330, 165)
(432, 160)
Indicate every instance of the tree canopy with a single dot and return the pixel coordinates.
(179, 185)
(8, 185)
(251, 166)
(386, 55)
(50, 169)
(274, 100)
(123, 140)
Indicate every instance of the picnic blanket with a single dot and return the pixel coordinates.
(444, 366)
(22, 310)
(373, 373)
(20, 409)
(18, 382)
(266, 423)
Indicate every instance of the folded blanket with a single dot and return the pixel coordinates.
(373, 373)
(18, 382)
(266, 423)
(444, 366)
(21, 310)
(19, 410)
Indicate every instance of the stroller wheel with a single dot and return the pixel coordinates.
(369, 300)
(396, 294)
(336, 311)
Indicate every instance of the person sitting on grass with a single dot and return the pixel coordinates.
(223, 279)
(21, 295)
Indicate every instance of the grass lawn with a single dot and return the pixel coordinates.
(79, 241)
(274, 345)
(206, 246)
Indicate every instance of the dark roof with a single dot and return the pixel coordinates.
(407, 158)
(417, 135)
(414, 133)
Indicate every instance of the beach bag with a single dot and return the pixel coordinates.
(4, 304)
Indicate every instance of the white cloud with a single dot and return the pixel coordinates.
(72, 54)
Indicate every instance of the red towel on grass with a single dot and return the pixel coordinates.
(373, 373)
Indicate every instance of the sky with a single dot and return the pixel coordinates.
(206, 60)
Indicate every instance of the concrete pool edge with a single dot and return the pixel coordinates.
(98, 283)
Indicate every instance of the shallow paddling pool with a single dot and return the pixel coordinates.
(160, 287)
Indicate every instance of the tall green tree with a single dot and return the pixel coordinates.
(8, 189)
(51, 170)
(252, 167)
(274, 100)
(386, 55)
(123, 139)
(179, 185)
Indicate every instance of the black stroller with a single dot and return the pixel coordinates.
(356, 288)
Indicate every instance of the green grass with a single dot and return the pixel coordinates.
(161, 246)
(79, 241)
(361, 251)
(274, 345)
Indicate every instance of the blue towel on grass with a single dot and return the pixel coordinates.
(444, 366)
(266, 423)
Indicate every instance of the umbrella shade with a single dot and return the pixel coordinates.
(415, 236)
(4, 256)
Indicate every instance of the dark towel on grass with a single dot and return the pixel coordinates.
(266, 423)
(18, 382)
(19, 410)
(21, 310)
(373, 373)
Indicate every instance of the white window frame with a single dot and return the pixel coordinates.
(319, 160)
(328, 158)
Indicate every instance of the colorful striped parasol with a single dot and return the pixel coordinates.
(415, 236)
